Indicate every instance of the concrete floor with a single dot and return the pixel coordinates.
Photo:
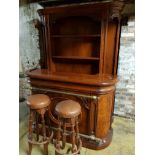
(122, 143)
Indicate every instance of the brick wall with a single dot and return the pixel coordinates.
(125, 92)
(29, 56)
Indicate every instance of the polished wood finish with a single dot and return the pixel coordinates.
(38, 105)
(68, 109)
(68, 112)
(79, 46)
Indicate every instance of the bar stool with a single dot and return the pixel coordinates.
(68, 112)
(38, 105)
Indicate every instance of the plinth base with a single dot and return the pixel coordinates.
(98, 145)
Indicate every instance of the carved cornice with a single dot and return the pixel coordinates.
(116, 8)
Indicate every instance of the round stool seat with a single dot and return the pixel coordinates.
(38, 101)
(68, 109)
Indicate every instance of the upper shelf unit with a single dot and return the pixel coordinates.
(75, 44)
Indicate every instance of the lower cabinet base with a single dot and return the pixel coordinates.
(97, 144)
(96, 115)
(92, 142)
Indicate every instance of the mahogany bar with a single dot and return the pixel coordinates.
(79, 46)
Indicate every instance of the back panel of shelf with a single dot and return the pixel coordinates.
(82, 47)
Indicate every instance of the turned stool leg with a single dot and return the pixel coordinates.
(73, 135)
(77, 130)
(30, 131)
(37, 127)
(49, 131)
(64, 135)
(58, 137)
(44, 134)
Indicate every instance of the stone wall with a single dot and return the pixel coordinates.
(29, 58)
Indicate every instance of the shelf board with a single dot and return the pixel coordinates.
(76, 58)
(76, 36)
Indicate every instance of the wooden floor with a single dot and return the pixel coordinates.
(122, 143)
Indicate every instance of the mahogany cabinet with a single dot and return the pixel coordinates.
(79, 46)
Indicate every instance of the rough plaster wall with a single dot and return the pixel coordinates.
(29, 56)
(28, 43)
(28, 36)
(125, 90)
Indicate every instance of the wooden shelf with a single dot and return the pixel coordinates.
(76, 58)
(76, 36)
